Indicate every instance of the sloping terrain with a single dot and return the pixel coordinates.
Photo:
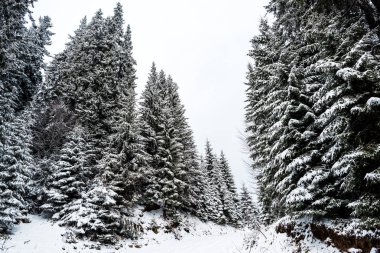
(43, 236)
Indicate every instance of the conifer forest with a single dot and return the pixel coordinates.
(82, 150)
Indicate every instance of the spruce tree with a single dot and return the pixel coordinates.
(217, 186)
(96, 215)
(16, 166)
(210, 208)
(68, 174)
(190, 171)
(164, 184)
(230, 198)
(249, 215)
(320, 72)
(172, 176)
(94, 77)
(22, 50)
(149, 125)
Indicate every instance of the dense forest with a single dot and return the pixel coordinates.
(77, 146)
(81, 148)
(313, 103)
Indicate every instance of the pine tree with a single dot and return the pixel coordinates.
(173, 177)
(22, 50)
(209, 199)
(195, 180)
(216, 186)
(249, 214)
(94, 77)
(96, 215)
(230, 198)
(14, 82)
(190, 171)
(16, 166)
(161, 142)
(312, 153)
(266, 101)
(125, 138)
(149, 113)
(227, 175)
(68, 174)
(172, 170)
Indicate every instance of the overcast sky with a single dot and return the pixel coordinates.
(202, 44)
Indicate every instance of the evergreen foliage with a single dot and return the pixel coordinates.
(172, 175)
(93, 83)
(96, 215)
(68, 177)
(76, 148)
(22, 50)
(219, 191)
(248, 212)
(16, 168)
(311, 102)
(230, 198)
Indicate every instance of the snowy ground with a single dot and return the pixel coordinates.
(42, 236)
(268, 241)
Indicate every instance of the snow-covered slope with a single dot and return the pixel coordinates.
(43, 236)
(268, 241)
(194, 236)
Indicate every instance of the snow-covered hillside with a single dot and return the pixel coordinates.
(268, 241)
(43, 236)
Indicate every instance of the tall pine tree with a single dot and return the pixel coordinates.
(216, 186)
(94, 78)
(230, 198)
(311, 99)
(22, 50)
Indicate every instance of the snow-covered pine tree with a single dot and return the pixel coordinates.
(125, 139)
(22, 50)
(314, 155)
(172, 177)
(123, 152)
(14, 81)
(209, 199)
(96, 215)
(171, 168)
(165, 173)
(149, 125)
(216, 186)
(50, 128)
(205, 197)
(94, 77)
(230, 198)
(68, 81)
(227, 174)
(21, 59)
(196, 185)
(80, 76)
(101, 213)
(266, 98)
(38, 37)
(16, 166)
(190, 174)
(68, 176)
(195, 179)
(249, 214)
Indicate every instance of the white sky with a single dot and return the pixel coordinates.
(202, 44)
